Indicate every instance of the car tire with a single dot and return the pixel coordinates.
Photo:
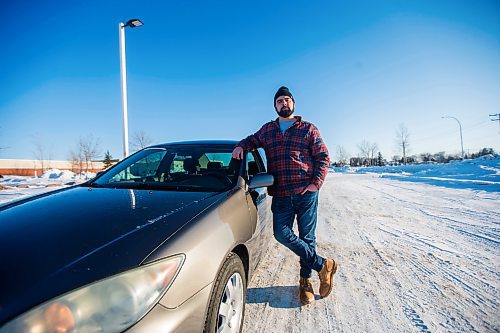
(226, 309)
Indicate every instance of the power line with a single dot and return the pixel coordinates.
(481, 123)
(439, 133)
(497, 115)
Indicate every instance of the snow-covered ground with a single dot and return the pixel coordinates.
(413, 258)
(18, 187)
(418, 248)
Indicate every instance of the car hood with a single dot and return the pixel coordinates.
(54, 243)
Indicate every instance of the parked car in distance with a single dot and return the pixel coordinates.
(166, 240)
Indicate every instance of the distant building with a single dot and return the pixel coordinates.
(363, 161)
(34, 167)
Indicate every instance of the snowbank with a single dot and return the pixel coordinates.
(18, 187)
(482, 173)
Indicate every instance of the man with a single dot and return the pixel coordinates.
(298, 159)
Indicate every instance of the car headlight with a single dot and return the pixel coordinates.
(109, 305)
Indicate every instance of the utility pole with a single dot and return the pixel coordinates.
(461, 139)
(497, 115)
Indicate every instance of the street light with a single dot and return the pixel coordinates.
(123, 69)
(461, 140)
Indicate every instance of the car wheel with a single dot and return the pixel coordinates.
(227, 302)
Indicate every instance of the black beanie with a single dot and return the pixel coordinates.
(283, 91)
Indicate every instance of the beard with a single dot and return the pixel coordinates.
(285, 112)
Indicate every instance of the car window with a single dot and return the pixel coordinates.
(142, 168)
(252, 165)
(264, 158)
(225, 159)
(178, 163)
(181, 168)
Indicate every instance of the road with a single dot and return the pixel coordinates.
(413, 258)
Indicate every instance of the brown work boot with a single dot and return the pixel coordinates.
(306, 291)
(326, 277)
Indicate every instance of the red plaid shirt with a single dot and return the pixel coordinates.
(296, 159)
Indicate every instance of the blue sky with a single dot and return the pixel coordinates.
(209, 70)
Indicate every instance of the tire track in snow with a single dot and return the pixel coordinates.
(459, 276)
(415, 319)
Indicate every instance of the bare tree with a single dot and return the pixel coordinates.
(373, 147)
(402, 140)
(76, 158)
(364, 149)
(439, 157)
(140, 140)
(342, 155)
(426, 157)
(367, 150)
(40, 155)
(89, 148)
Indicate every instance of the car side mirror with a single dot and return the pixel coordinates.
(261, 180)
(98, 174)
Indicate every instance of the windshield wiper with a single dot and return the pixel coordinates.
(156, 187)
(92, 184)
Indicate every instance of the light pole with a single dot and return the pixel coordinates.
(461, 140)
(123, 70)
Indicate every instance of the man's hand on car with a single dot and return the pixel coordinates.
(238, 153)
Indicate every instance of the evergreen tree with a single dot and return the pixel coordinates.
(380, 160)
(108, 160)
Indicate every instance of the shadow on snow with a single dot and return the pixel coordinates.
(276, 296)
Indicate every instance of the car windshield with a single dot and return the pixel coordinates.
(177, 168)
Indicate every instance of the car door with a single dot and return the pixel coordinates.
(259, 204)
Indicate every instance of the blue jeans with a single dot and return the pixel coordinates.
(305, 207)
